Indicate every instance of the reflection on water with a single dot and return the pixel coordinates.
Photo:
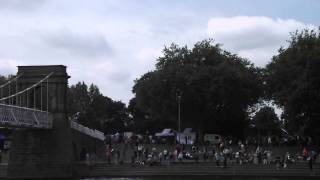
(113, 179)
(205, 178)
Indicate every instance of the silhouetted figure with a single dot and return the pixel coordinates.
(310, 162)
(277, 161)
(83, 154)
(224, 161)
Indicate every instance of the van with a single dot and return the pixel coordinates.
(212, 138)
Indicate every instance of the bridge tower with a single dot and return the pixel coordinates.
(39, 153)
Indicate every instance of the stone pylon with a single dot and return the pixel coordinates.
(40, 153)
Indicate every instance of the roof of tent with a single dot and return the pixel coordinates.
(166, 132)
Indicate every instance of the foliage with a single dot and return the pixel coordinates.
(94, 110)
(216, 88)
(5, 90)
(141, 122)
(266, 121)
(293, 81)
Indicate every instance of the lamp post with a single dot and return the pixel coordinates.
(179, 118)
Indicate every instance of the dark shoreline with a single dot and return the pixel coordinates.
(201, 177)
(200, 171)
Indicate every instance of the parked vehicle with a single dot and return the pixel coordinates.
(212, 139)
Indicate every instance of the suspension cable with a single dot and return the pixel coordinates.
(11, 80)
(47, 95)
(41, 96)
(27, 89)
(16, 91)
(34, 98)
(27, 99)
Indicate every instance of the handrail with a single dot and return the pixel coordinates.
(85, 130)
(20, 107)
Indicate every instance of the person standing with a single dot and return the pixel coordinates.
(305, 153)
(217, 158)
(310, 163)
(108, 153)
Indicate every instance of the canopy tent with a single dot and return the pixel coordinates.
(186, 137)
(166, 133)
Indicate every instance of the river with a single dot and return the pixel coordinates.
(206, 178)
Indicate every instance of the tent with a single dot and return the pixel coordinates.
(166, 133)
(186, 137)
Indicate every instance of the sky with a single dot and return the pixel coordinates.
(111, 43)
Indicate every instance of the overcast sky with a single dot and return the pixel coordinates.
(112, 42)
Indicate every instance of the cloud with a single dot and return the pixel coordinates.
(111, 43)
(109, 73)
(93, 44)
(254, 37)
(9, 66)
(148, 55)
(18, 5)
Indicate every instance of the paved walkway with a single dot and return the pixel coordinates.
(196, 169)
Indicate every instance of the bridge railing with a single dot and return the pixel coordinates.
(16, 116)
(85, 130)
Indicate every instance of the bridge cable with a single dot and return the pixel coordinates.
(41, 96)
(11, 80)
(27, 99)
(47, 95)
(27, 89)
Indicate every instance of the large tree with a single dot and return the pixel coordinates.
(293, 81)
(213, 86)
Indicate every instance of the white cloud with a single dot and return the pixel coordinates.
(255, 37)
(19, 5)
(90, 45)
(111, 43)
(9, 66)
(146, 57)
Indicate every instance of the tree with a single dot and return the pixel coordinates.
(215, 86)
(117, 119)
(94, 110)
(9, 87)
(3, 79)
(266, 121)
(141, 123)
(293, 81)
(78, 101)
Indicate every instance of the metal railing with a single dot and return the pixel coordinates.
(85, 130)
(15, 116)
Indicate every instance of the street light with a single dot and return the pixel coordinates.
(179, 120)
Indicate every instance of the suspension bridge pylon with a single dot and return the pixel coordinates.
(42, 152)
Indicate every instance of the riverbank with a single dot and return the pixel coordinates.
(203, 169)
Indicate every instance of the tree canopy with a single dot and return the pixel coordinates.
(266, 121)
(92, 109)
(216, 87)
(293, 82)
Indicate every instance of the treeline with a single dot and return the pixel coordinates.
(220, 92)
(88, 106)
(217, 91)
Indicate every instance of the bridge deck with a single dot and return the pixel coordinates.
(21, 117)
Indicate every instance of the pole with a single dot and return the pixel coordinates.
(41, 96)
(9, 94)
(34, 98)
(179, 112)
(47, 97)
(27, 99)
(17, 91)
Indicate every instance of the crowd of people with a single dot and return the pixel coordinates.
(223, 154)
(147, 151)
